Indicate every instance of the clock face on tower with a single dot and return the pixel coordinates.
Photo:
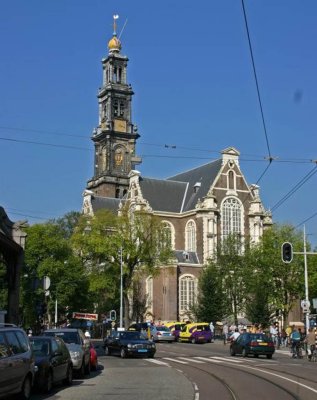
(120, 125)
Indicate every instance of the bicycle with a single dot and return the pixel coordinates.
(313, 356)
(297, 350)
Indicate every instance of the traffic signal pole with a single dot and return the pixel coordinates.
(306, 282)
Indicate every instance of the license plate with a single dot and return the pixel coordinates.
(201, 338)
(262, 344)
(142, 351)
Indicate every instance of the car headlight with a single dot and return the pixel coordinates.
(75, 355)
(130, 346)
(153, 346)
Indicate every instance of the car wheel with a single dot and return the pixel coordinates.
(193, 340)
(25, 393)
(269, 356)
(244, 352)
(107, 351)
(123, 352)
(232, 352)
(69, 376)
(179, 340)
(48, 384)
(87, 368)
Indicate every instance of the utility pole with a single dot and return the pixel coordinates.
(121, 288)
(306, 283)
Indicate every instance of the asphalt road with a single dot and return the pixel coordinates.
(195, 372)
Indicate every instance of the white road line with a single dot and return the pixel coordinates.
(157, 362)
(208, 359)
(192, 360)
(226, 359)
(175, 360)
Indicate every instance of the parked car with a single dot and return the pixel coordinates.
(128, 343)
(93, 357)
(17, 365)
(252, 343)
(53, 362)
(175, 328)
(78, 347)
(198, 332)
(162, 334)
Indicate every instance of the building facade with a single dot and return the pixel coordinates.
(198, 207)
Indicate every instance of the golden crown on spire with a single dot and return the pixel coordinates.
(114, 44)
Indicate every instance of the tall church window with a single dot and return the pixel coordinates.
(120, 75)
(231, 213)
(231, 180)
(114, 76)
(187, 293)
(116, 108)
(169, 233)
(121, 110)
(190, 236)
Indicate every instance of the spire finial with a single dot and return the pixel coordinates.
(115, 17)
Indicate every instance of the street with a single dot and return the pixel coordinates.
(199, 372)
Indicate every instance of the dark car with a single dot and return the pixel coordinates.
(17, 366)
(53, 362)
(77, 345)
(252, 343)
(128, 343)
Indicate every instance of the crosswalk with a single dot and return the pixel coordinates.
(165, 361)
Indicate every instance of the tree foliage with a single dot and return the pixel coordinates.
(107, 241)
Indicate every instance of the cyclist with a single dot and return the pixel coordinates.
(296, 343)
(310, 340)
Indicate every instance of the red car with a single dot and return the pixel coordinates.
(93, 358)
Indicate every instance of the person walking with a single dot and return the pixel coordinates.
(310, 341)
(225, 332)
(212, 330)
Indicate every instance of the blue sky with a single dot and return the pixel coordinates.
(191, 71)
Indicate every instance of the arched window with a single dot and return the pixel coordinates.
(169, 233)
(187, 293)
(190, 236)
(231, 213)
(231, 180)
(149, 293)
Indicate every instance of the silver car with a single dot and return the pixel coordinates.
(17, 366)
(78, 346)
(162, 334)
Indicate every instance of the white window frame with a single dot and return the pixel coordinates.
(170, 226)
(190, 236)
(232, 217)
(187, 293)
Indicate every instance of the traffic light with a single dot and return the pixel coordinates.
(287, 252)
(113, 315)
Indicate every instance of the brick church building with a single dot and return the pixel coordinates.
(199, 206)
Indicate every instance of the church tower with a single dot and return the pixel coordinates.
(115, 136)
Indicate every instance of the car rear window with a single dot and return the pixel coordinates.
(68, 337)
(259, 336)
(133, 335)
(4, 350)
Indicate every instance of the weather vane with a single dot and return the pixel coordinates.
(115, 17)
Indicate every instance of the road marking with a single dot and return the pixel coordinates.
(208, 359)
(192, 360)
(175, 360)
(157, 362)
(226, 359)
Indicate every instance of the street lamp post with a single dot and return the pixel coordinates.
(121, 289)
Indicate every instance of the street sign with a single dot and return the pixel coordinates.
(305, 304)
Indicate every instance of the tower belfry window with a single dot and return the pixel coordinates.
(120, 75)
(114, 76)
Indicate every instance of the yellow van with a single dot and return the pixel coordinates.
(175, 327)
(197, 332)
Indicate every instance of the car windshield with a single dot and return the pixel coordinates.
(68, 337)
(41, 347)
(131, 336)
(259, 336)
(163, 328)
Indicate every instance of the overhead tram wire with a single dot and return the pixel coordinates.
(295, 188)
(306, 220)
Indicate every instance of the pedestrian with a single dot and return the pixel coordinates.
(212, 330)
(225, 331)
(87, 334)
(235, 335)
(310, 341)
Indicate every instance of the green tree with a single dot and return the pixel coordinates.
(104, 240)
(281, 284)
(48, 253)
(212, 302)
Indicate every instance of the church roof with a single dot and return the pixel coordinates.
(200, 178)
(181, 192)
(108, 203)
(163, 195)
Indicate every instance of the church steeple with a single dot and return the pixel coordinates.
(115, 136)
